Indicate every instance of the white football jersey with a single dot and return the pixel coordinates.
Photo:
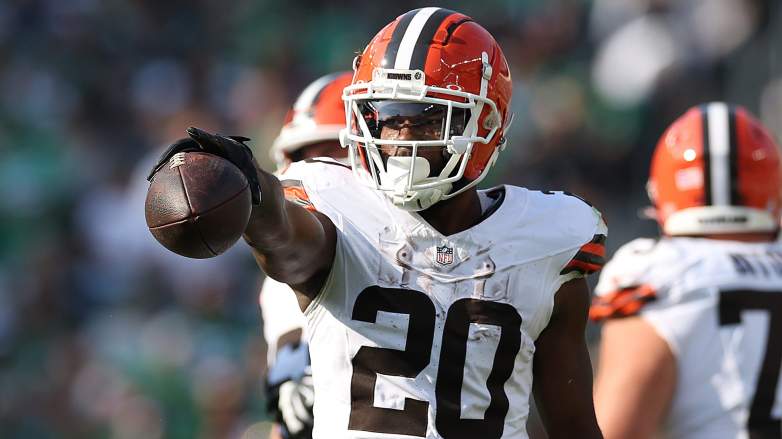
(416, 334)
(718, 305)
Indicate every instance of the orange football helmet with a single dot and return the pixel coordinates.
(317, 115)
(434, 61)
(715, 170)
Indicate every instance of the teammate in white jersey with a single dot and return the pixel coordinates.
(691, 343)
(430, 304)
(311, 130)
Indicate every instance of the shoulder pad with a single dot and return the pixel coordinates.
(567, 222)
(536, 225)
(318, 172)
(303, 181)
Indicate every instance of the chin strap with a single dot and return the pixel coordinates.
(422, 200)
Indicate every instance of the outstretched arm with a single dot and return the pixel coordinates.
(290, 243)
(561, 368)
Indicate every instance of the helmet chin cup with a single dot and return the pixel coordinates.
(398, 171)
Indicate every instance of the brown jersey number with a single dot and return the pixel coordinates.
(413, 419)
(760, 424)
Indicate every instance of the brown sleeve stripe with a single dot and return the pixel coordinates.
(622, 303)
(590, 258)
(582, 267)
(595, 249)
(598, 239)
(295, 193)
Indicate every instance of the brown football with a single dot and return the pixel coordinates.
(198, 205)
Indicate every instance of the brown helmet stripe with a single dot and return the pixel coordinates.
(733, 161)
(704, 109)
(396, 38)
(424, 41)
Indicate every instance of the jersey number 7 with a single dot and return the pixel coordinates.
(760, 423)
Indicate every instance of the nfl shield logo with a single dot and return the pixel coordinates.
(444, 255)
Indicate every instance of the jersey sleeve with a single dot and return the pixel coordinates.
(654, 280)
(588, 232)
(303, 182)
(589, 258)
(295, 192)
(630, 281)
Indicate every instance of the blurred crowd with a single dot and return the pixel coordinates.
(105, 334)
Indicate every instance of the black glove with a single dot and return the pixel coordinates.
(231, 148)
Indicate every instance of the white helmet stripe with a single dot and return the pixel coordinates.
(413, 32)
(719, 146)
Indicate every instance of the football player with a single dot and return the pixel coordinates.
(429, 304)
(311, 130)
(691, 342)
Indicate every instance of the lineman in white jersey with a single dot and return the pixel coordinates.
(311, 130)
(691, 346)
(430, 305)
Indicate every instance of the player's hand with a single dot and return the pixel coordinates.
(294, 403)
(231, 148)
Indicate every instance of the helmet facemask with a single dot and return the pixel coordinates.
(448, 117)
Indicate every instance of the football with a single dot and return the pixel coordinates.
(198, 205)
